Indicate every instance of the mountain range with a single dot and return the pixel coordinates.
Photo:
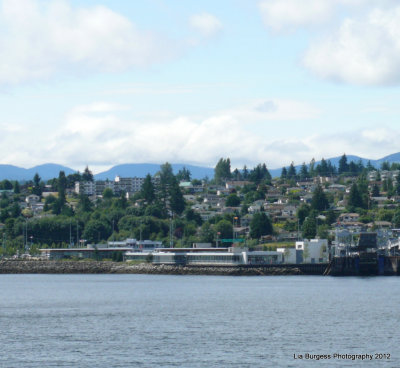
(49, 171)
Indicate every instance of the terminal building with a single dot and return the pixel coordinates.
(102, 251)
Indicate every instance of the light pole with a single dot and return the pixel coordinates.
(233, 227)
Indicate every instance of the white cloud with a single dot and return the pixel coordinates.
(207, 24)
(100, 135)
(288, 15)
(38, 39)
(281, 15)
(364, 51)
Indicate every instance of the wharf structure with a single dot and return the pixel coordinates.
(366, 258)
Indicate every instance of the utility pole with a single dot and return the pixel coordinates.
(171, 242)
(70, 234)
(113, 231)
(77, 233)
(4, 244)
(298, 229)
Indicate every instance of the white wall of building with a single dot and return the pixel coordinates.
(314, 250)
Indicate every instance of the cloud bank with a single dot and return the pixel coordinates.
(353, 41)
(39, 39)
(100, 135)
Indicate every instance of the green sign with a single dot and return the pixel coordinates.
(232, 240)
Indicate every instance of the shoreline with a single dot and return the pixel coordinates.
(108, 267)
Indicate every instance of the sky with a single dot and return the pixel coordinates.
(106, 82)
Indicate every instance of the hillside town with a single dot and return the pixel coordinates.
(314, 204)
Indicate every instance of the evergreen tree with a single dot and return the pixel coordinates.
(266, 174)
(322, 168)
(166, 177)
(360, 166)
(353, 170)
(62, 184)
(222, 171)
(375, 191)
(390, 188)
(302, 212)
(312, 168)
(37, 185)
(260, 225)
(147, 191)
(319, 201)
(369, 166)
(331, 168)
(343, 166)
(17, 188)
(291, 174)
(310, 227)
(87, 175)
(396, 219)
(84, 204)
(236, 175)
(184, 175)
(355, 199)
(245, 173)
(176, 200)
(385, 166)
(284, 173)
(304, 171)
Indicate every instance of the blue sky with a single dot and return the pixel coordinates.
(101, 83)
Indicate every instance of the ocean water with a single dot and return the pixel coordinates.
(198, 321)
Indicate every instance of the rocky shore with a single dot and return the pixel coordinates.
(91, 267)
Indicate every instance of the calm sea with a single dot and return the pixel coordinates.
(197, 321)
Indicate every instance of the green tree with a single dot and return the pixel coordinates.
(17, 188)
(385, 166)
(183, 175)
(222, 171)
(107, 194)
(319, 201)
(355, 199)
(176, 200)
(62, 185)
(207, 235)
(291, 174)
(302, 212)
(310, 227)
(284, 173)
(147, 191)
(232, 200)
(260, 225)
(396, 219)
(304, 174)
(37, 185)
(343, 166)
(225, 228)
(166, 177)
(96, 230)
(375, 191)
(87, 175)
(84, 203)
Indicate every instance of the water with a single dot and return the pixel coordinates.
(195, 321)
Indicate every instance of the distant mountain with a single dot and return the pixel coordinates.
(335, 162)
(394, 157)
(50, 171)
(46, 172)
(141, 170)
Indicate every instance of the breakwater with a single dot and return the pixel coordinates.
(92, 267)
